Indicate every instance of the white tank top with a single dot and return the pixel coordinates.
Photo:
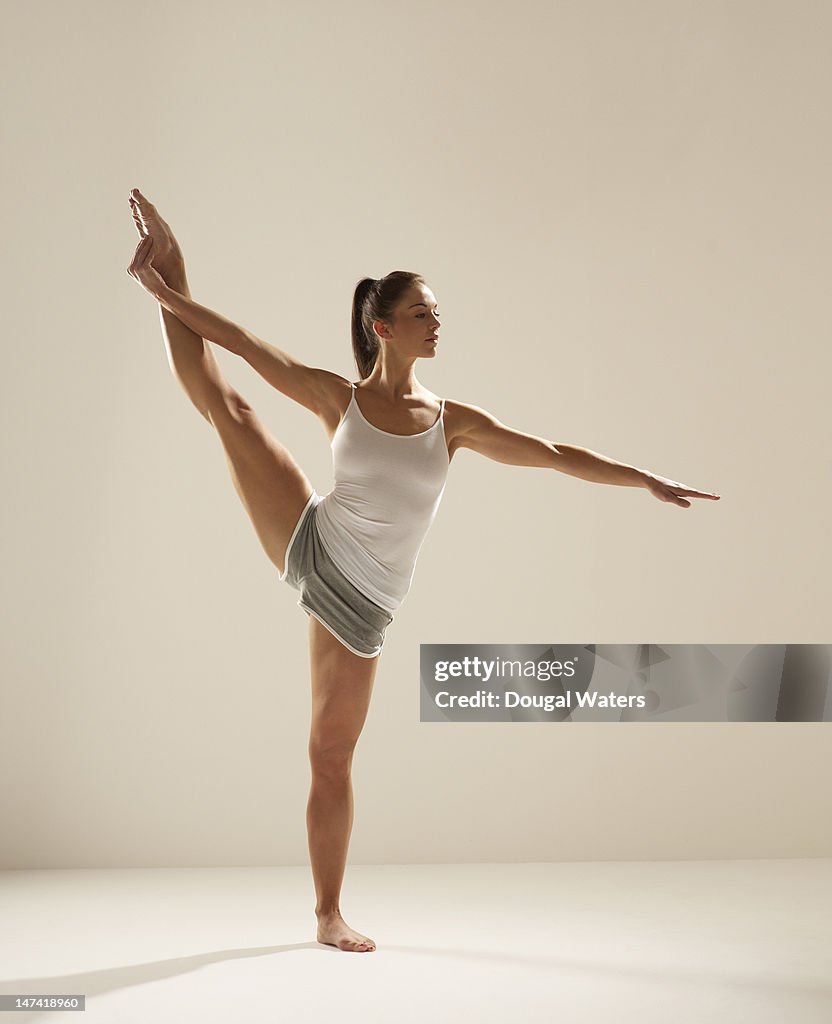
(387, 490)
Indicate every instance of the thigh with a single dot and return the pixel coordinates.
(271, 485)
(342, 684)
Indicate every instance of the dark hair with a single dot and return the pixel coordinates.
(375, 300)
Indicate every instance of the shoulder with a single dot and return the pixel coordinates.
(468, 417)
(463, 421)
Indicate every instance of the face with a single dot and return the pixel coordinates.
(415, 323)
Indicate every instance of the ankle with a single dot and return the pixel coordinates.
(174, 275)
(327, 911)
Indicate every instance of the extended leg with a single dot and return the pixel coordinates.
(191, 359)
(271, 485)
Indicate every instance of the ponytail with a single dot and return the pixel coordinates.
(371, 301)
(365, 344)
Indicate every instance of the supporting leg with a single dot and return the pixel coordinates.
(342, 683)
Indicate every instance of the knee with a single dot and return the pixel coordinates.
(331, 762)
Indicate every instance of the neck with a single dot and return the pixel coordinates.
(394, 380)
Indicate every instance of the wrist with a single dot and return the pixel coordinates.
(162, 292)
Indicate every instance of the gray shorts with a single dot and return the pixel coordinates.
(326, 593)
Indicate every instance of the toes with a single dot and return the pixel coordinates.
(355, 946)
(137, 198)
(137, 221)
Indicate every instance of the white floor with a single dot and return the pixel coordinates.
(684, 941)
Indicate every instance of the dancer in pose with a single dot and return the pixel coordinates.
(351, 553)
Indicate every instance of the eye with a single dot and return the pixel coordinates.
(435, 313)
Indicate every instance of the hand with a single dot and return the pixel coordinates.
(141, 268)
(671, 490)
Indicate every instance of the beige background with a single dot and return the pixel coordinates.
(623, 211)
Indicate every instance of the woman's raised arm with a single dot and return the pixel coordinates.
(304, 384)
(296, 380)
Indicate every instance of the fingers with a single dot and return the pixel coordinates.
(680, 488)
(142, 249)
(676, 495)
(669, 494)
(140, 256)
(701, 494)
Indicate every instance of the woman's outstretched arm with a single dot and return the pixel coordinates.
(484, 433)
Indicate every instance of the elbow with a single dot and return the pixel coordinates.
(560, 452)
(564, 458)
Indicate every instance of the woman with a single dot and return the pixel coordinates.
(351, 553)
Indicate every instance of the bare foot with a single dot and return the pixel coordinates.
(167, 256)
(333, 931)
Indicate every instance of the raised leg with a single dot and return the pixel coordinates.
(191, 359)
(272, 487)
(342, 683)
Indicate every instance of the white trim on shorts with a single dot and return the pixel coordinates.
(312, 497)
(361, 654)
